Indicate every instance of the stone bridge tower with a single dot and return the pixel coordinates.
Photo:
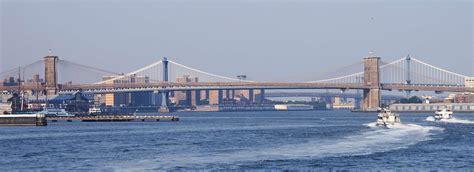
(371, 96)
(51, 74)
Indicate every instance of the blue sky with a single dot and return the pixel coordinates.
(266, 40)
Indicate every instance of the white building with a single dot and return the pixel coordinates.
(5, 108)
(293, 107)
(469, 82)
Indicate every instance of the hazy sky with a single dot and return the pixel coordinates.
(267, 40)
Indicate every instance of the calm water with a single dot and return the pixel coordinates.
(325, 140)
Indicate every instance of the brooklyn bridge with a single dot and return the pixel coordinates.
(166, 76)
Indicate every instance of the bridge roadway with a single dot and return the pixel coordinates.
(342, 95)
(173, 86)
(421, 87)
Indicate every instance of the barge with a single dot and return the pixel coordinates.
(23, 120)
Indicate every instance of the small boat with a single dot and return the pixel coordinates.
(94, 111)
(55, 112)
(443, 114)
(387, 118)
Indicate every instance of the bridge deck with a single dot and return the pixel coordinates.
(170, 86)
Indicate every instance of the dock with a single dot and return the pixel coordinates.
(112, 118)
(23, 120)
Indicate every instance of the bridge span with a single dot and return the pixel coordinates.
(173, 86)
(165, 76)
(327, 94)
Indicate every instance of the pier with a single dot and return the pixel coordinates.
(23, 120)
(112, 118)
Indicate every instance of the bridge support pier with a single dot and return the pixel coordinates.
(371, 97)
(261, 96)
(232, 94)
(189, 97)
(220, 96)
(196, 98)
(154, 100)
(371, 100)
(357, 103)
(206, 94)
(251, 95)
(164, 108)
(227, 94)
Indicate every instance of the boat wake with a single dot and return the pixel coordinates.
(399, 126)
(367, 142)
(452, 120)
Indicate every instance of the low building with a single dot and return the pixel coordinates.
(419, 107)
(342, 103)
(289, 107)
(10, 81)
(125, 79)
(119, 99)
(5, 108)
(18, 103)
(75, 102)
(469, 82)
(186, 79)
(186, 98)
(464, 98)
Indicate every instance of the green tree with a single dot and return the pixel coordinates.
(413, 99)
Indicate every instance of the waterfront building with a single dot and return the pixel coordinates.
(75, 102)
(215, 97)
(17, 103)
(251, 95)
(114, 79)
(342, 103)
(419, 107)
(463, 98)
(289, 107)
(124, 99)
(186, 98)
(186, 79)
(469, 82)
(8, 80)
(5, 108)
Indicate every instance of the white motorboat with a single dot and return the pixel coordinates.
(443, 114)
(387, 118)
(94, 111)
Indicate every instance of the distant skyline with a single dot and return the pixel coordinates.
(266, 40)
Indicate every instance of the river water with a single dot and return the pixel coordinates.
(321, 140)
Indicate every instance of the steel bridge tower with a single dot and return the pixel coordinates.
(165, 94)
(408, 81)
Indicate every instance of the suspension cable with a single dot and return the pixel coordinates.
(89, 67)
(206, 73)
